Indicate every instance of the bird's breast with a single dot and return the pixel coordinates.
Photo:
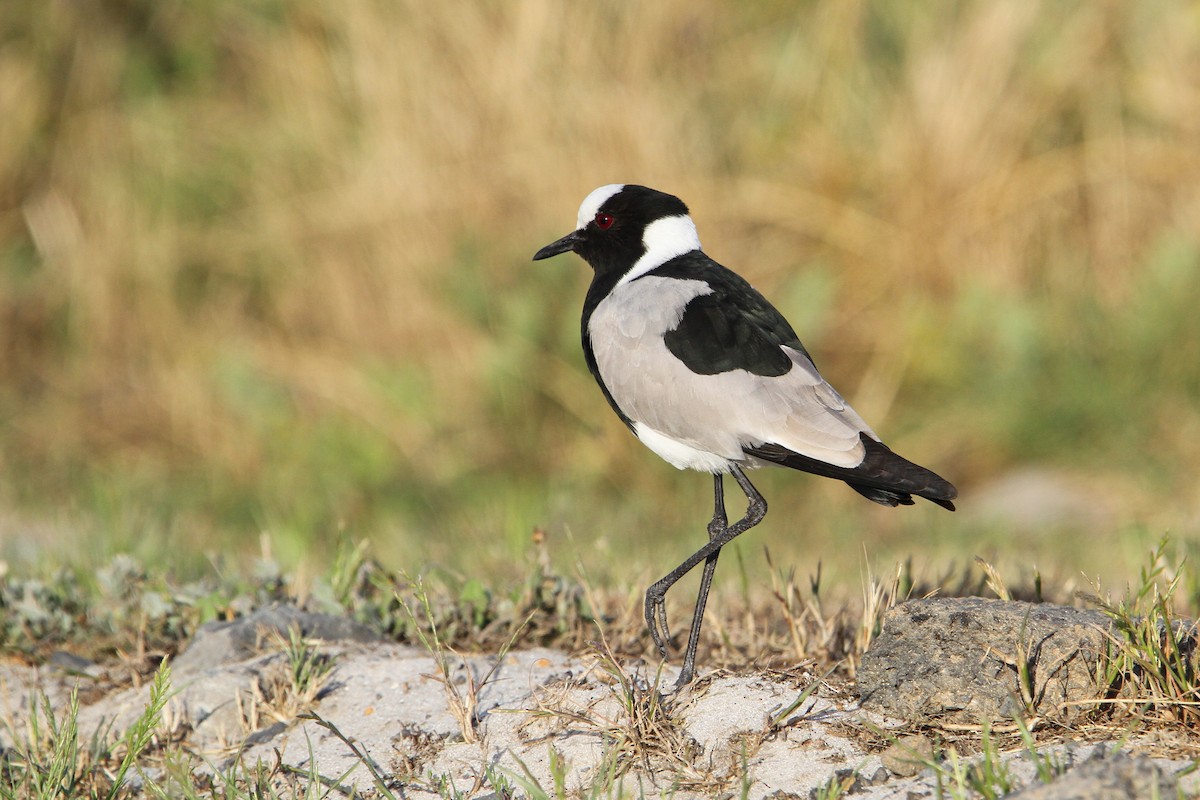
(655, 390)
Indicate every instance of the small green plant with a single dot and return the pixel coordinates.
(382, 783)
(989, 775)
(839, 783)
(1048, 765)
(1150, 667)
(140, 734)
(746, 781)
(605, 783)
(463, 702)
(285, 690)
(1026, 662)
(984, 776)
(533, 787)
(498, 781)
(309, 668)
(446, 788)
(50, 762)
(348, 569)
(47, 763)
(950, 776)
(781, 717)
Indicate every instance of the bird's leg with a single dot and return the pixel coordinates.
(716, 527)
(656, 615)
(656, 594)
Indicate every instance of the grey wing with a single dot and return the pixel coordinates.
(802, 412)
(730, 411)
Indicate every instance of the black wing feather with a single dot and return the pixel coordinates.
(731, 327)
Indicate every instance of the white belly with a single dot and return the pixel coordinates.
(680, 454)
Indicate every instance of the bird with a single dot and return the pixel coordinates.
(711, 377)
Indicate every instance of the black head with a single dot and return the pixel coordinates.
(623, 225)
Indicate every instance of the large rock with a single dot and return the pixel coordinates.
(964, 658)
(1118, 776)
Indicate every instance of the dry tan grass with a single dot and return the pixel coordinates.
(222, 227)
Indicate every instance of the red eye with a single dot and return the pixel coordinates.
(604, 221)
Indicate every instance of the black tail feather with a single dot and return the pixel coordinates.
(882, 477)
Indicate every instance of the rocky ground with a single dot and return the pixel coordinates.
(360, 714)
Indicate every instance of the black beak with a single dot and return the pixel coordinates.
(564, 244)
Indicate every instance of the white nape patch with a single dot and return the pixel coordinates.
(664, 239)
(679, 454)
(591, 204)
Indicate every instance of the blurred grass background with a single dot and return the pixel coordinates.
(264, 269)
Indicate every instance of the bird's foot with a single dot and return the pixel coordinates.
(656, 620)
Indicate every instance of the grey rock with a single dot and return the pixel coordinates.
(1116, 777)
(961, 659)
(207, 703)
(218, 643)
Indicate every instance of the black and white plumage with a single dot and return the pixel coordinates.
(710, 376)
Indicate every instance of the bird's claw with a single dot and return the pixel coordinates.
(656, 621)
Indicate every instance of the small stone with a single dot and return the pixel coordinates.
(72, 664)
(908, 755)
(221, 643)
